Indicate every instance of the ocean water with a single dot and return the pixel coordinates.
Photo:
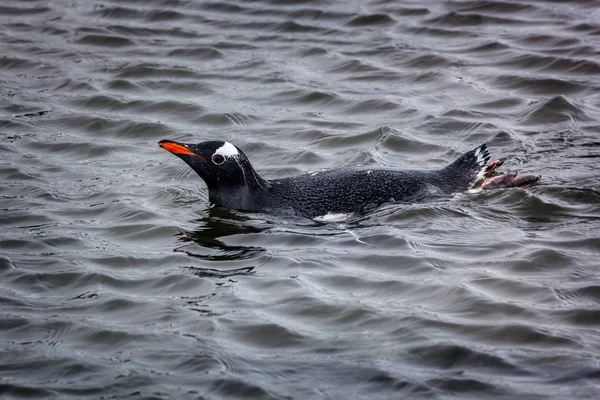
(119, 281)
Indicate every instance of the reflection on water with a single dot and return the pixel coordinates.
(211, 233)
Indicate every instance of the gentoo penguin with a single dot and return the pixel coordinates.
(233, 183)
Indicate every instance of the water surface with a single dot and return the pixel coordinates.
(117, 280)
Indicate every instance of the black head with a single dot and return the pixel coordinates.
(224, 168)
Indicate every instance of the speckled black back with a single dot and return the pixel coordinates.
(351, 190)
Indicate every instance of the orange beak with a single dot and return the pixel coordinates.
(176, 148)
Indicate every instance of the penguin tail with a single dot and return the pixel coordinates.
(474, 164)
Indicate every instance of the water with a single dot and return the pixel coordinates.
(119, 281)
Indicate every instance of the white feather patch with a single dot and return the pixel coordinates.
(227, 150)
(332, 217)
(482, 156)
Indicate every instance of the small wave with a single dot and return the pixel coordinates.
(16, 63)
(440, 32)
(23, 11)
(493, 6)
(371, 20)
(147, 70)
(302, 96)
(197, 52)
(539, 86)
(354, 66)
(105, 40)
(295, 27)
(125, 13)
(556, 109)
(164, 15)
(459, 19)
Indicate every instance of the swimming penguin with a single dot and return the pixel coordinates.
(233, 183)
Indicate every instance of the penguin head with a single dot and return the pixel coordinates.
(224, 168)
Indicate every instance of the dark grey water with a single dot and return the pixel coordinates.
(118, 281)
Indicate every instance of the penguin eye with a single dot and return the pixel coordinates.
(218, 159)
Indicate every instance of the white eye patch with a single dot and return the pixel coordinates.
(227, 150)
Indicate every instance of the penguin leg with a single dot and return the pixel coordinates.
(492, 166)
(510, 180)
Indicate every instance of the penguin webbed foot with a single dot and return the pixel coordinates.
(509, 180)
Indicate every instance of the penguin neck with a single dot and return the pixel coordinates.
(252, 180)
(245, 195)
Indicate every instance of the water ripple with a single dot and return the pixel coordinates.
(118, 279)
